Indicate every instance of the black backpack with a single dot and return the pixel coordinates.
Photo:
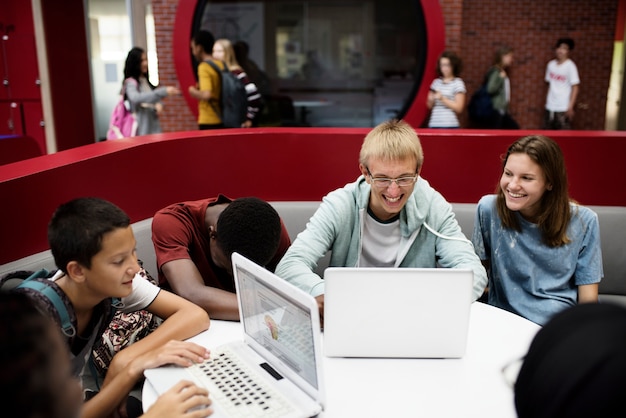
(480, 107)
(233, 98)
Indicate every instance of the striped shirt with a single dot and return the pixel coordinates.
(441, 115)
(254, 97)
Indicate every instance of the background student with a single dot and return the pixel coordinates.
(446, 97)
(563, 86)
(36, 379)
(194, 241)
(541, 249)
(223, 51)
(499, 87)
(94, 248)
(145, 99)
(389, 217)
(207, 90)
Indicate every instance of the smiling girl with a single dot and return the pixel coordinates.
(540, 248)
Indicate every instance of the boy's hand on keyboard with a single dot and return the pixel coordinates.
(183, 400)
(181, 353)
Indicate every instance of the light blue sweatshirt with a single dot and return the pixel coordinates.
(338, 226)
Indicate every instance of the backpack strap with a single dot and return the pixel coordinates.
(47, 291)
(39, 283)
(219, 73)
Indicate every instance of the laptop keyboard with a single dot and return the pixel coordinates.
(238, 390)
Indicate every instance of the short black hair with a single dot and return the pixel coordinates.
(251, 227)
(205, 39)
(77, 227)
(567, 41)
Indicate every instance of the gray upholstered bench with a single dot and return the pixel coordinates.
(295, 215)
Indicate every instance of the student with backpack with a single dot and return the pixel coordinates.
(498, 86)
(207, 90)
(94, 248)
(222, 97)
(223, 50)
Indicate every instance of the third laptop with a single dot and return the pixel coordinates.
(396, 312)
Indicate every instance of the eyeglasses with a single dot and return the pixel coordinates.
(383, 182)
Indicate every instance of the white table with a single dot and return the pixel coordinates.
(472, 386)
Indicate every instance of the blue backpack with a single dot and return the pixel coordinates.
(233, 98)
(48, 296)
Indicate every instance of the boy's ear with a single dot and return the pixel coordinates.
(76, 271)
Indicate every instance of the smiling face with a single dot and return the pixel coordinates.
(387, 202)
(114, 267)
(523, 183)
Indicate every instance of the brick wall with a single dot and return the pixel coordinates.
(532, 28)
(475, 29)
(177, 116)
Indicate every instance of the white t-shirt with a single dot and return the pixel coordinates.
(561, 78)
(142, 295)
(380, 243)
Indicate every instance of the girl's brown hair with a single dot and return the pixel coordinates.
(554, 212)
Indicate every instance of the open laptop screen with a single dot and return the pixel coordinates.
(278, 323)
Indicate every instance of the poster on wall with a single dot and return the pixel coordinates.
(237, 22)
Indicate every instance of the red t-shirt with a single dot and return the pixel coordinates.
(179, 232)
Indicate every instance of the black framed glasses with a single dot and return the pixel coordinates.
(384, 182)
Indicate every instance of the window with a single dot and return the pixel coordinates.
(336, 62)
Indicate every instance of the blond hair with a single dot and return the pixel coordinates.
(229, 54)
(392, 140)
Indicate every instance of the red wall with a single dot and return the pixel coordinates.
(142, 175)
(69, 72)
(69, 81)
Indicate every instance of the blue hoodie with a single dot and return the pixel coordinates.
(338, 226)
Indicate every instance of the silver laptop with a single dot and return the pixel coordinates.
(396, 312)
(276, 368)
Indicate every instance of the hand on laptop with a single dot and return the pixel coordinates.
(181, 353)
(320, 305)
(183, 400)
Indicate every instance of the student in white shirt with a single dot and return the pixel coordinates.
(563, 85)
